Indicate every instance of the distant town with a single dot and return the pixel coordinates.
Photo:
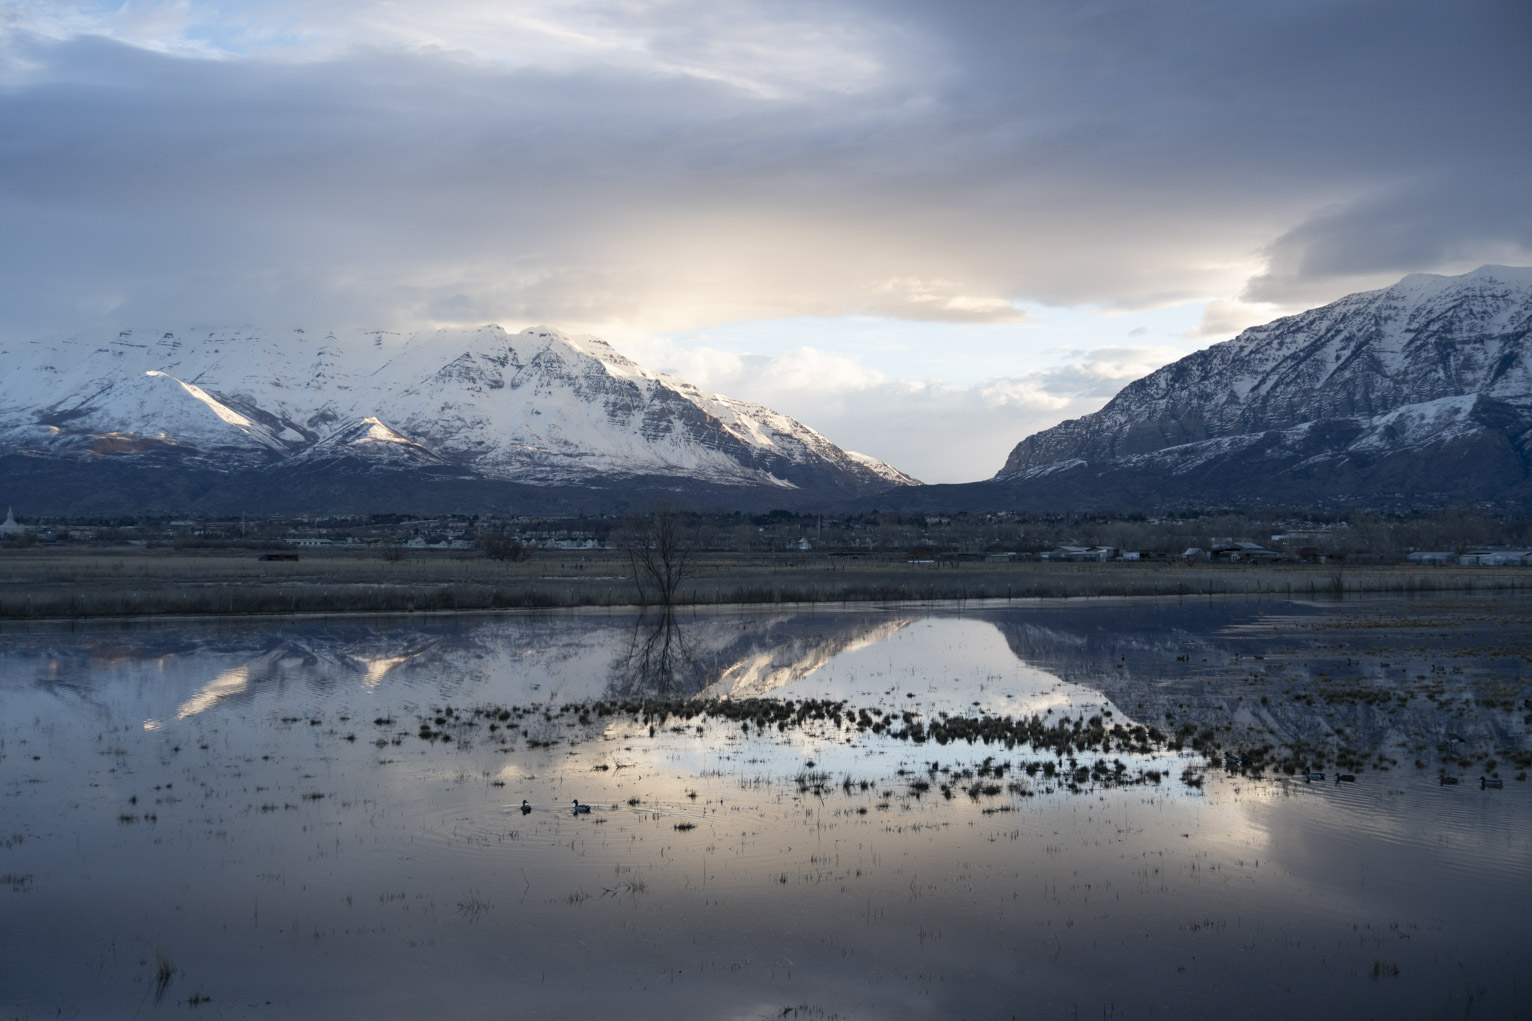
(1455, 536)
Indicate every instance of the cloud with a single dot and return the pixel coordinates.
(933, 430)
(674, 164)
(1451, 223)
(939, 300)
(1103, 371)
(1224, 319)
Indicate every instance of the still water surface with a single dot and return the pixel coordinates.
(247, 807)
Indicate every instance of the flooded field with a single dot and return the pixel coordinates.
(1092, 808)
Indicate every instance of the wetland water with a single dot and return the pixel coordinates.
(243, 819)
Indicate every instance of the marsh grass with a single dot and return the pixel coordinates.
(38, 584)
(473, 907)
(164, 972)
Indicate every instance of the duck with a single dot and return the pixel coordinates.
(580, 809)
(1311, 777)
(526, 809)
(1491, 782)
(1346, 777)
(1447, 781)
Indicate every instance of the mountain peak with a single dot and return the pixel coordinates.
(1331, 404)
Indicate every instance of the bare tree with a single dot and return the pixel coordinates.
(661, 550)
(500, 545)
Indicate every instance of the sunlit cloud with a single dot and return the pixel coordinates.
(936, 431)
(912, 298)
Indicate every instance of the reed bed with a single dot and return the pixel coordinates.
(51, 584)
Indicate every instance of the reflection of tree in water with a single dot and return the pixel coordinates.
(657, 661)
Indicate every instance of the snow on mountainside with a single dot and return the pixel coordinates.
(535, 407)
(1419, 392)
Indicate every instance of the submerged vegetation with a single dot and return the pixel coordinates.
(1075, 750)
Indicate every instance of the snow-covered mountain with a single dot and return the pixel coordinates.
(1419, 394)
(291, 419)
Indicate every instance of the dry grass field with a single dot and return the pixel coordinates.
(54, 583)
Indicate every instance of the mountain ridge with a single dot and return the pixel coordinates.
(1363, 356)
(529, 409)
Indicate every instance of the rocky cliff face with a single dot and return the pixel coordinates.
(1415, 395)
(472, 419)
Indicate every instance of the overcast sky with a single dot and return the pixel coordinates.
(925, 229)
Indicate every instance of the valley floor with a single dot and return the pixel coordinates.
(52, 583)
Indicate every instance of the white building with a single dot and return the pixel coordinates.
(9, 528)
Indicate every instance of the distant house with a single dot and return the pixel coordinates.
(1243, 552)
(1082, 554)
(1433, 559)
(9, 528)
(1194, 553)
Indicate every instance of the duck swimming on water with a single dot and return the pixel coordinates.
(526, 809)
(580, 809)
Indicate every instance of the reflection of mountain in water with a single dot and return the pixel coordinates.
(1132, 649)
(176, 671)
(771, 665)
(753, 657)
(1274, 670)
(1167, 661)
(169, 671)
(313, 668)
(1207, 662)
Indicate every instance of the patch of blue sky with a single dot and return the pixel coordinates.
(227, 28)
(235, 28)
(961, 354)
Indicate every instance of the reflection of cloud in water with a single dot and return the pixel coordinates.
(930, 665)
